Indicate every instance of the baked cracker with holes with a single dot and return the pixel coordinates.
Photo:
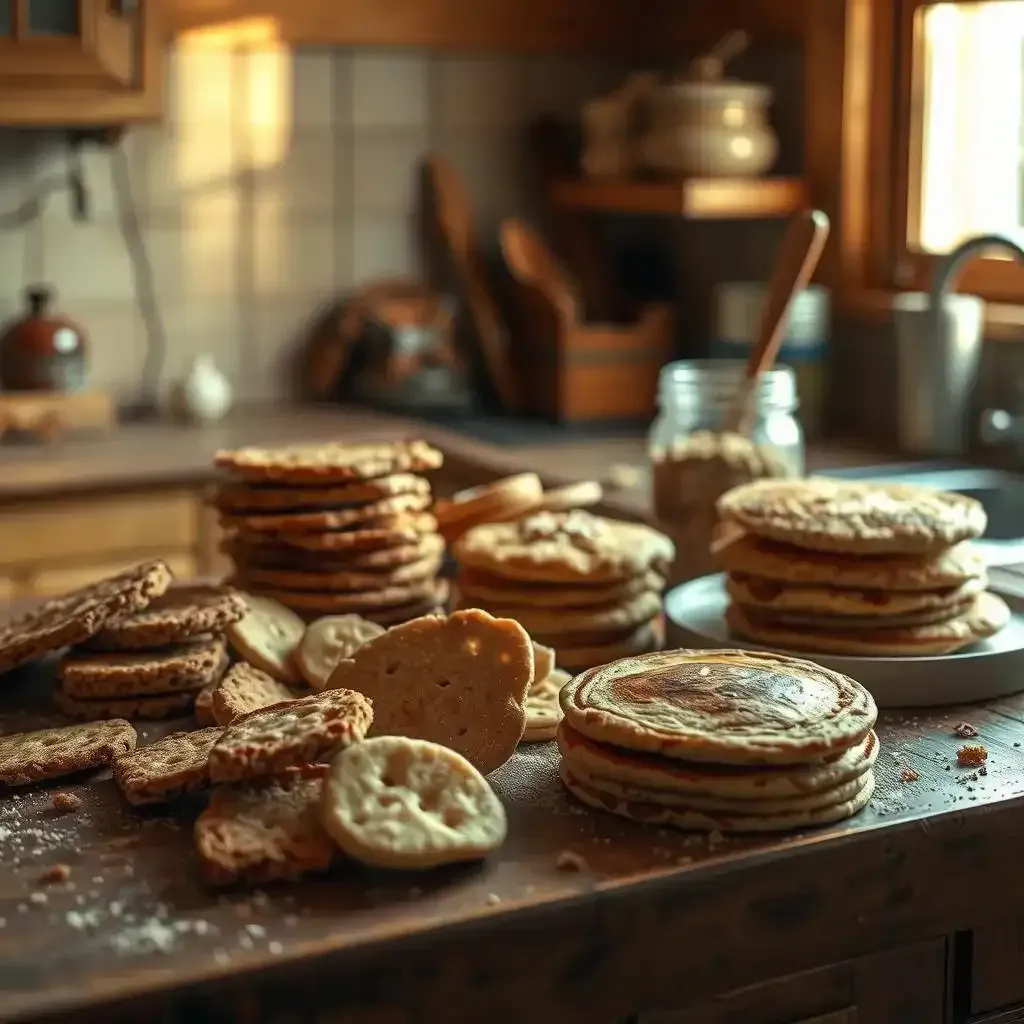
(28, 757)
(167, 769)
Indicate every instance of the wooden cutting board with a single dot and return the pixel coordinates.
(455, 222)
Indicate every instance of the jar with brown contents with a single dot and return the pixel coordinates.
(694, 463)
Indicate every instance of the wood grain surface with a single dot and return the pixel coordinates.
(655, 913)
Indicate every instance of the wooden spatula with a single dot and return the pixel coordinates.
(532, 263)
(798, 257)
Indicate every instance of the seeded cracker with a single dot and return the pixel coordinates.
(143, 673)
(183, 613)
(264, 831)
(164, 770)
(48, 753)
(295, 732)
(77, 616)
(246, 688)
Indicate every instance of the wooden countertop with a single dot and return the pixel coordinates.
(164, 454)
(656, 918)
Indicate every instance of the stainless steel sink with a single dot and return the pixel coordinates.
(1000, 492)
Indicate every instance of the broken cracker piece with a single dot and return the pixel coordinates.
(28, 757)
(246, 688)
(164, 770)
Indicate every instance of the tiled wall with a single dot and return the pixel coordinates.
(277, 181)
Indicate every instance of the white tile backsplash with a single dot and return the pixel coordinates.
(278, 180)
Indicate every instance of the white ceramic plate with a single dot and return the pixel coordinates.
(695, 617)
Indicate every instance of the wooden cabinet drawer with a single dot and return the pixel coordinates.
(98, 527)
(52, 582)
(896, 987)
(997, 966)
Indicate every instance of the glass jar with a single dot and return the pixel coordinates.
(694, 462)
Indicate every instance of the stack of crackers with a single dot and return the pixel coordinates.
(587, 586)
(136, 645)
(870, 569)
(719, 741)
(335, 528)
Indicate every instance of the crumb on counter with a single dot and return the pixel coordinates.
(569, 860)
(971, 755)
(965, 730)
(493, 899)
(909, 775)
(56, 873)
(66, 802)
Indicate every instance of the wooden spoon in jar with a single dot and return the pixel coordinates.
(798, 257)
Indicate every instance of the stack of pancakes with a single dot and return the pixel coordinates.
(335, 528)
(727, 741)
(587, 586)
(870, 569)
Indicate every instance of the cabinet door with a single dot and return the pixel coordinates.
(71, 62)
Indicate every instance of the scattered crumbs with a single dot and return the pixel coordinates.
(983, 770)
(290, 920)
(493, 899)
(221, 956)
(97, 880)
(715, 838)
(909, 775)
(155, 935)
(1016, 744)
(65, 802)
(965, 730)
(569, 860)
(39, 898)
(257, 931)
(971, 755)
(260, 898)
(56, 873)
(275, 948)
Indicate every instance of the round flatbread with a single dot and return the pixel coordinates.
(258, 551)
(328, 463)
(324, 519)
(868, 622)
(267, 636)
(482, 588)
(340, 579)
(641, 641)
(650, 813)
(565, 547)
(580, 621)
(327, 641)
(495, 502)
(237, 498)
(857, 517)
(987, 615)
(724, 707)
(724, 782)
(771, 560)
(755, 591)
(394, 802)
(543, 712)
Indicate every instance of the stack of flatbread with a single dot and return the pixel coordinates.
(727, 741)
(855, 568)
(335, 529)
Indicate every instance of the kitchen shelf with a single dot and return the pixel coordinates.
(695, 198)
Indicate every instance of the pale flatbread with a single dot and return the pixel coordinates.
(756, 591)
(643, 640)
(858, 517)
(757, 556)
(459, 680)
(724, 782)
(988, 614)
(723, 707)
(327, 641)
(711, 821)
(565, 547)
(267, 636)
(543, 711)
(543, 664)
(394, 802)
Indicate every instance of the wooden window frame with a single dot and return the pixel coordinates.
(861, 88)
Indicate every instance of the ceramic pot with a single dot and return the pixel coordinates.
(205, 394)
(41, 350)
(716, 129)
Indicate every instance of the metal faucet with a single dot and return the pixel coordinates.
(939, 341)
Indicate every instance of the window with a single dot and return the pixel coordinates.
(916, 143)
(967, 122)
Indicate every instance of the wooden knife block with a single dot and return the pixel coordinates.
(573, 372)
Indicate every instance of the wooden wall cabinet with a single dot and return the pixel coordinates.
(80, 62)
